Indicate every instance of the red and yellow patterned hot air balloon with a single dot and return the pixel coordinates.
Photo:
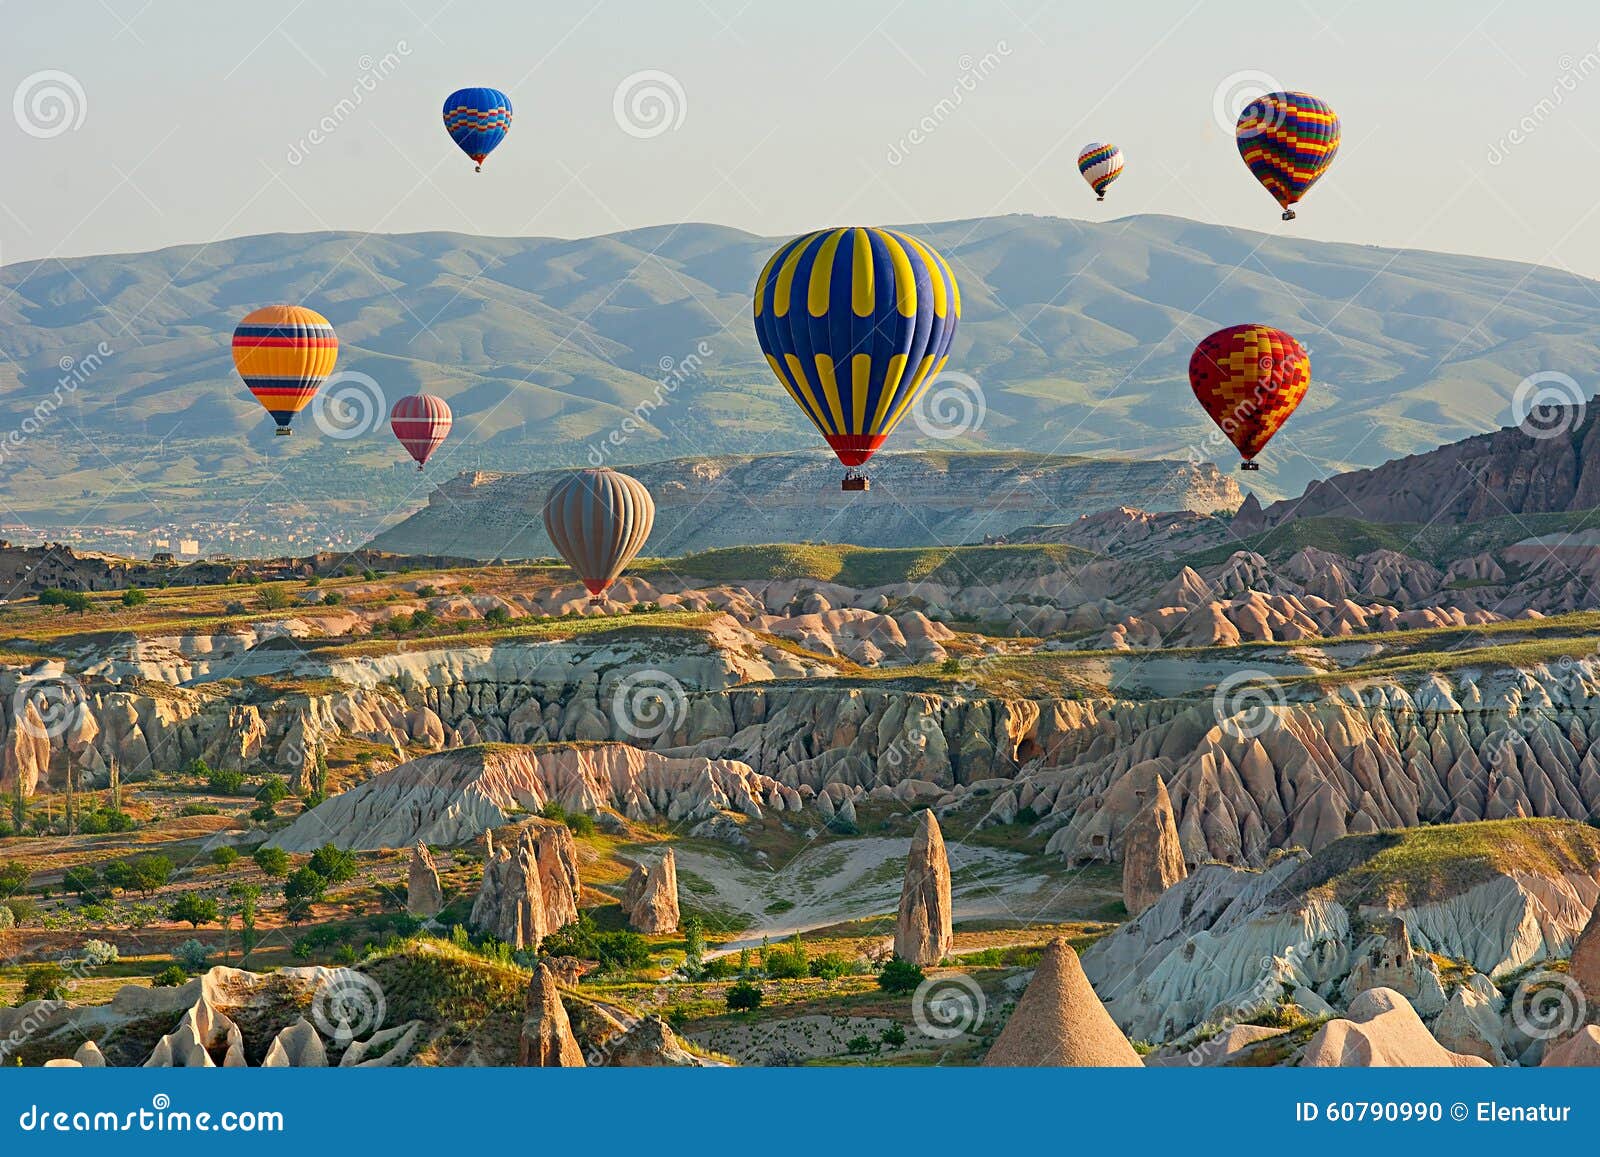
(421, 422)
(1249, 378)
(283, 352)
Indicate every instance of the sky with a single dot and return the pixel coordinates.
(1469, 127)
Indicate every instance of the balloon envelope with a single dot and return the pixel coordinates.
(421, 422)
(283, 352)
(1100, 165)
(1249, 378)
(598, 520)
(477, 120)
(854, 323)
(1288, 140)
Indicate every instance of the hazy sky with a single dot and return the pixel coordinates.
(1469, 127)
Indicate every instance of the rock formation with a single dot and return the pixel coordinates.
(650, 1043)
(1152, 856)
(424, 897)
(1382, 1029)
(547, 1040)
(1060, 1021)
(298, 1046)
(531, 886)
(650, 896)
(1584, 968)
(1582, 1049)
(201, 1035)
(922, 932)
(89, 1055)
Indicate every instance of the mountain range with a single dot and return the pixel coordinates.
(1077, 335)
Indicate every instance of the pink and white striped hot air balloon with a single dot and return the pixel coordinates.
(421, 422)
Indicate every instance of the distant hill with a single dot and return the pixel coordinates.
(1078, 333)
(917, 499)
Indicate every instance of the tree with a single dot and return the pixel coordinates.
(223, 781)
(246, 895)
(273, 861)
(193, 909)
(694, 943)
(192, 956)
(333, 865)
(134, 597)
(150, 872)
(224, 856)
(13, 877)
(302, 889)
(169, 977)
(899, 976)
(743, 997)
(497, 616)
(80, 879)
(273, 598)
(68, 600)
(894, 1036)
(273, 790)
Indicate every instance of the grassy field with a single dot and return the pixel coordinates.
(865, 567)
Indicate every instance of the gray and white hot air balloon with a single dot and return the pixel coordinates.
(598, 520)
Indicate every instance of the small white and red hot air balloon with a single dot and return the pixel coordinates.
(422, 423)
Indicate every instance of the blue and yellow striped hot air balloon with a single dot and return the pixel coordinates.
(283, 352)
(477, 120)
(855, 322)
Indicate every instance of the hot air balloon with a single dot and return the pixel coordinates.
(283, 352)
(855, 322)
(422, 422)
(1100, 165)
(1249, 378)
(598, 520)
(1288, 140)
(477, 120)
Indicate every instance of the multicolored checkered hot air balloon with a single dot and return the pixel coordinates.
(477, 120)
(1288, 139)
(283, 352)
(1100, 165)
(598, 520)
(854, 323)
(1249, 378)
(422, 422)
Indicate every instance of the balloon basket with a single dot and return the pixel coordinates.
(855, 484)
(1101, 197)
(1288, 214)
(1249, 466)
(283, 431)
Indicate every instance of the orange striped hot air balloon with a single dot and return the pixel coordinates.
(1249, 378)
(283, 352)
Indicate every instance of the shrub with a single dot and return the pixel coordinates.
(497, 616)
(622, 951)
(263, 813)
(894, 1036)
(273, 861)
(302, 889)
(225, 782)
(149, 872)
(44, 982)
(235, 607)
(68, 600)
(899, 976)
(788, 963)
(79, 879)
(24, 910)
(332, 598)
(273, 598)
(580, 824)
(192, 956)
(14, 876)
(829, 966)
(199, 809)
(743, 997)
(171, 976)
(134, 597)
(273, 790)
(857, 1045)
(102, 820)
(7, 920)
(98, 953)
(718, 968)
(224, 856)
